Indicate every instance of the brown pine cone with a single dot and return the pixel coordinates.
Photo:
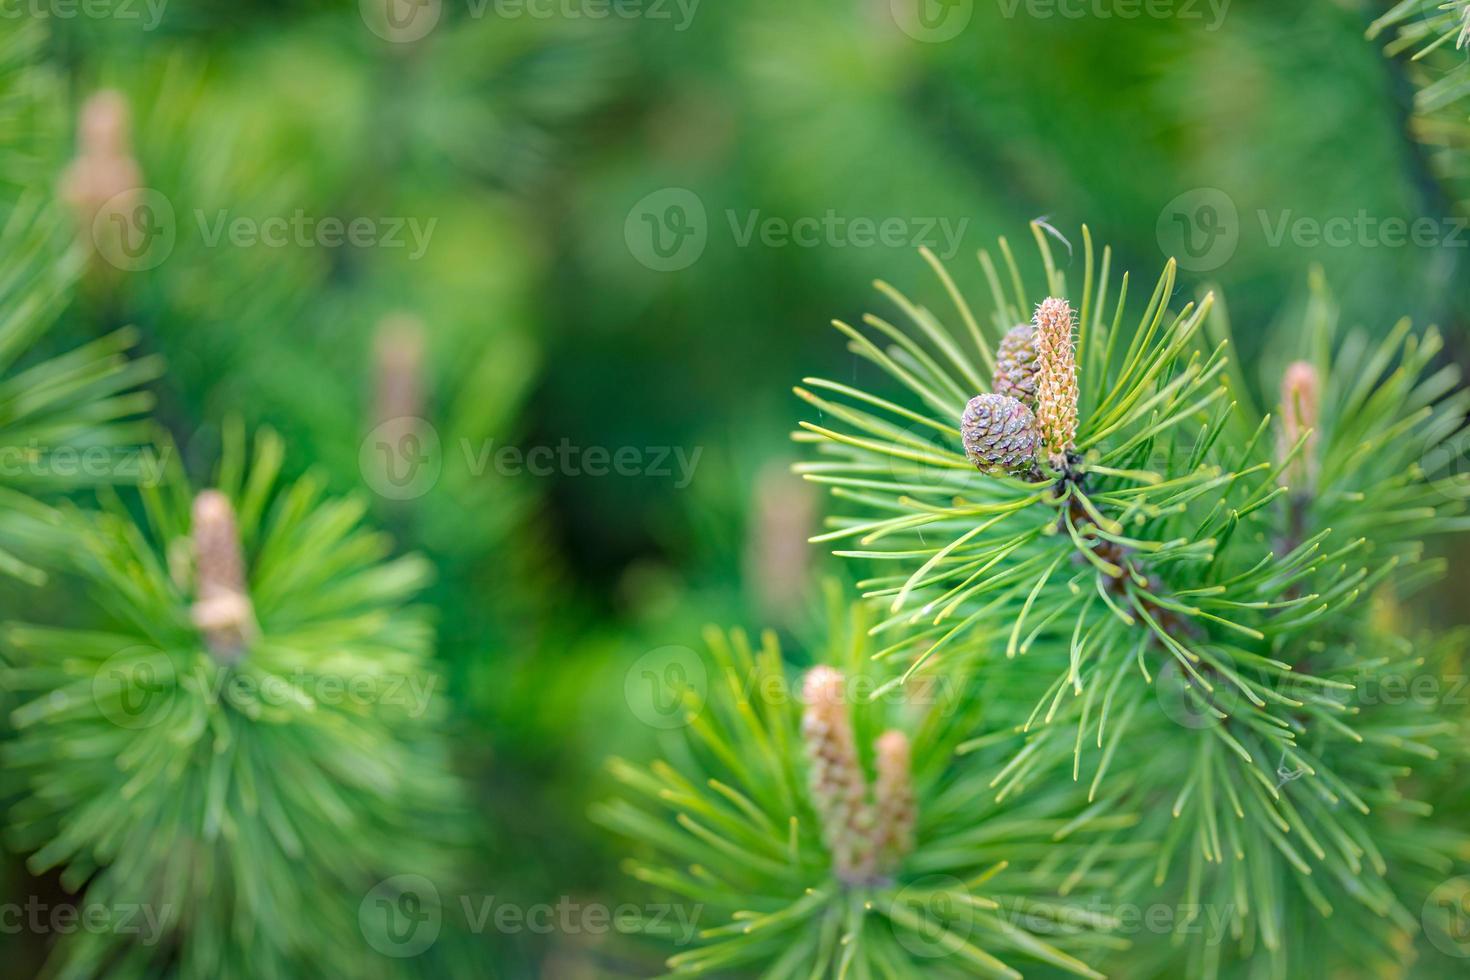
(1015, 365)
(999, 433)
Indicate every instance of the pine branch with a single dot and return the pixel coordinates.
(226, 779)
(1139, 570)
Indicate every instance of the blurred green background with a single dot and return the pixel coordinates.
(624, 226)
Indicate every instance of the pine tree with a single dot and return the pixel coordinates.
(1434, 34)
(1171, 601)
(820, 832)
(71, 417)
(247, 748)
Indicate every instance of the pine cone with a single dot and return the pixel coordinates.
(893, 792)
(222, 610)
(1015, 365)
(839, 791)
(1301, 394)
(999, 433)
(1056, 388)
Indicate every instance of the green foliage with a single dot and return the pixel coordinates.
(1179, 603)
(248, 805)
(66, 419)
(1434, 35)
(743, 849)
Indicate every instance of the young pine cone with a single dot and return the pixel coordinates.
(839, 790)
(1056, 379)
(1015, 365)
(894, 807)
(999, 433)
(1301, 395)
(222, 611)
